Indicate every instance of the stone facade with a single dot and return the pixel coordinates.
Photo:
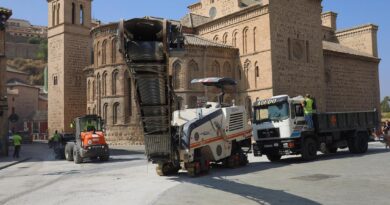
(69, 47)
(270, 47)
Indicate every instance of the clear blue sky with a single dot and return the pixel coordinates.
(351, 13)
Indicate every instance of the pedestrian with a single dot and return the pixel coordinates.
(308, 110)
(386, 127)
(17, 140)
(56, 141)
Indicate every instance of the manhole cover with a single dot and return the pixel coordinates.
(315, 177)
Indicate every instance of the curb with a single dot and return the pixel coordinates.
(14, 163)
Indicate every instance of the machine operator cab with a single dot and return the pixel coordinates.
(278, 117)
(205, 107)
(89, 130)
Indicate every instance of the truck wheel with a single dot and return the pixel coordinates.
(362, 143)
(309, 149)
(274, 157)
(76, 156)
(351, 145)
(332, 150)
(69, 151)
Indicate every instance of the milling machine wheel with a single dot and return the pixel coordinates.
(193, 169)
(167, 169)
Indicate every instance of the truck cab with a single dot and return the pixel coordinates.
(280, 128)
(278, 117)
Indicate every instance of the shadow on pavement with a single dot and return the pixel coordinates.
(256, 194)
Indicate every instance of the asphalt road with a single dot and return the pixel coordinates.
(127, 178)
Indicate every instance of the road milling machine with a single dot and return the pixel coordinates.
(189, 139)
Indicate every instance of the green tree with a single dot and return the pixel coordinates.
(42, 51)
(34, 40)
(385, 104)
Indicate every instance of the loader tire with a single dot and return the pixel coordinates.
(104, 158)
(69, 151)
(167, 169)
(76, 156)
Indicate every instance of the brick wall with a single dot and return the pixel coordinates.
(362, 38)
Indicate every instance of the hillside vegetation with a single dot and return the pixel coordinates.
(35, 68)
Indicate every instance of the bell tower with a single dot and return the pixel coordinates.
(69, 44)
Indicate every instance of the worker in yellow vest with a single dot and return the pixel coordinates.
(308, 110)
(17, 139)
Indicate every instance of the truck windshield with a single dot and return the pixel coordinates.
(276, 112)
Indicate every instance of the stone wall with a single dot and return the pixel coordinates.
(22, 50)
(297, 54)
(352, 83)
(249, 31)
(362, 38)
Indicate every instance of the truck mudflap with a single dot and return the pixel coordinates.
(280, 146)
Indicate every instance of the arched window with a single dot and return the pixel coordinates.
(89, 90)
(257, 74)
(128, 96)
(105, 111)
(53, 15)
(58, 14)
(254, 39)
(245, 41)
(97, 51)
(216, 38)
(104, 49)
(177, 74)
(194, 74)
(239, 74)
(234, 41)
(104, 84)
(81, 15)
(115, 112)
(55, 80)
(93, 91)
(73, 13)
(113, 50)
(224, 38)
(247, 66)
(227, 69)
(115, 76)
(216, 69)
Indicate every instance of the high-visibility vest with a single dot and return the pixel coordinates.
(56, 137)
(17, 139)
(308, 106)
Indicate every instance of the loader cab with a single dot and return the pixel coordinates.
(88, 125)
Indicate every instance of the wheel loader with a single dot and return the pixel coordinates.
(89, 141)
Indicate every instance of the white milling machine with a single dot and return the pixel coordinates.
(189, 139)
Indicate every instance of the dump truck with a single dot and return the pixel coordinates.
(88, 140)
(189, 139)
(279, 128)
